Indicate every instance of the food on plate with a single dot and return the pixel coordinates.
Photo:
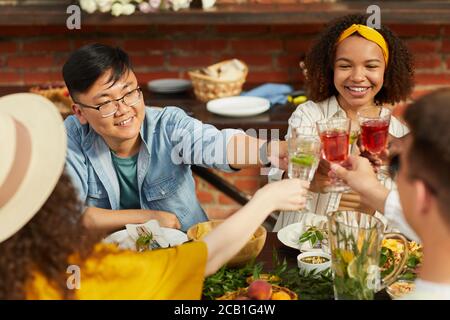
(400, 288)
(391, 254)
(314, 260)
(143, 243)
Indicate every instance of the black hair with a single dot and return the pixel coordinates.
(399, 74)
(88, 63)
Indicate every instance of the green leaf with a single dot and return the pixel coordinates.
(409, 275)
(313, 240)
(319, 235)
(412, 262)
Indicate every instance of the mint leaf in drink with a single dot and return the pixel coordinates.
(353, 136)
(306, 160)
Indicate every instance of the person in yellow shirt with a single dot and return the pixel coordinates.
(47, 253)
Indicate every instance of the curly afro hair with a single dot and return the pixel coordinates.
(45, 244)
(398, 76)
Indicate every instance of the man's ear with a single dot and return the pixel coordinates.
(423, 197)
(79, 114)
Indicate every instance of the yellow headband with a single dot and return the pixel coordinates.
(368, 33)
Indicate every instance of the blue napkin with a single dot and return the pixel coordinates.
(274, 92)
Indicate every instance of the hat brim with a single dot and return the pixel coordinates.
(48, 152)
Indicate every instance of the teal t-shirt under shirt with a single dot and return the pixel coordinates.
(126, 169)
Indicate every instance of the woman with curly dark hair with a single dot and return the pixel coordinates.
(47, 253)
(351, 66)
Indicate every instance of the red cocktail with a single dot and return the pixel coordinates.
(374, 123)
(335, 136)
(374, 135)
(335, 145)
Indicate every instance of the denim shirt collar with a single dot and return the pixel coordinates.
(99, 155)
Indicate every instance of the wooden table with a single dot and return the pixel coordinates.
(290, 255)
(275, 118)
(423, 12)
(272, 243)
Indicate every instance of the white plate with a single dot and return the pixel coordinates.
(240, 106)
(124, 241)
(169, 85)
(290, 234)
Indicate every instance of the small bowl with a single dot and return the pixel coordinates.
(400, 288)
(308, 267)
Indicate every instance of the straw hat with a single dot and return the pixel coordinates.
(32, 157)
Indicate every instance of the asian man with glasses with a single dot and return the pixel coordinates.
(130, 163)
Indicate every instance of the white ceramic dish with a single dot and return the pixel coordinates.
(169, 85)
(240, 106)
(308, 267)
(290, 234)
(400, 288)
(124, 241)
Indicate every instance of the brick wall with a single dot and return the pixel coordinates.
(30, 55)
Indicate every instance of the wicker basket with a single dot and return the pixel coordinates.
(242, 292)
(208, 88)
(250, 251)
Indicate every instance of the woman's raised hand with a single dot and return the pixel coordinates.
(289, 194)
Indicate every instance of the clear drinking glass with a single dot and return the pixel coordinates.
(304, 153)
(335, 136)
(374, 123)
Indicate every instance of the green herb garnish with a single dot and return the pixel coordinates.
(314, 235)
(229, 279)
(143, 242)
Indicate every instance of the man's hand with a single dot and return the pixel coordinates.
(393, 147)
(361, 177)
(359, 174)
(106, 220)
(376, 160)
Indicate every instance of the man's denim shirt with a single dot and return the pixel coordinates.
(171, 142)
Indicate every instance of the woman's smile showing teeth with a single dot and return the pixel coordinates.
(357, 91)
(125, 122)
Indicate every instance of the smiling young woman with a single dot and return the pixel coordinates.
(350, 67)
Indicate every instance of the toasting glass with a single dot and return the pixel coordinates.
(335, 136)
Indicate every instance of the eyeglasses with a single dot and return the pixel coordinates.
(110, 107)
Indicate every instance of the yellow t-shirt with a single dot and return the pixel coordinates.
(111, 273)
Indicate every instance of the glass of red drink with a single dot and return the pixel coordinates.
(374, 123)
(335, 137)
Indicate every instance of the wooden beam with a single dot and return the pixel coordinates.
(399, 12)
